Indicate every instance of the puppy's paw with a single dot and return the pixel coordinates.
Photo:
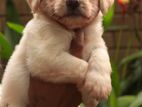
(97, 85)
(89, 101)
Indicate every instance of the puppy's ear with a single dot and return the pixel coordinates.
(105, 5)
(34, 5)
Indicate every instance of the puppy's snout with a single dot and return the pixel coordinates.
(72, 5)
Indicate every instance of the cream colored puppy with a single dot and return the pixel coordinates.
(44, 51)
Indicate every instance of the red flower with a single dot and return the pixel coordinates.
(123, 4)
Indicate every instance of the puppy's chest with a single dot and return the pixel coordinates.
(78, 45)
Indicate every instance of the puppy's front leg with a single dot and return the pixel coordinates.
(62, 67)
(99, 73)
(98, 80)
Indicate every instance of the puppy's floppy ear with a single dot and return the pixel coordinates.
(34, 4)
(105, 5)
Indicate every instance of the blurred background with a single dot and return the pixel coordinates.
(123, 36)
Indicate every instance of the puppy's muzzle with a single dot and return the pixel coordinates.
(73, 7)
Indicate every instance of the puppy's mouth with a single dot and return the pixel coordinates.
(74, 15)
(73, 19)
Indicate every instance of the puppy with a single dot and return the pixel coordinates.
(44, 51)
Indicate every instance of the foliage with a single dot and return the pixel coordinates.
(107, 20)
(130, 58)
(12, 32)
(16, 27)
(12, 16)
(5, 49)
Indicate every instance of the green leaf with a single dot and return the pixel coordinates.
(107, 19)
(112, 102)
(131, 57)
(82, 105)
(132, 80)
(16, 27)
(115, 79)
(138, 101)
(12, 16)
(139, 95)
(5, 48)
(125, 101)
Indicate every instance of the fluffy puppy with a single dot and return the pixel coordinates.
(44, 51)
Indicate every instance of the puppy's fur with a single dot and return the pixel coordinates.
(44, 52)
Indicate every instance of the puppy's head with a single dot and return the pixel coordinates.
(71, 13)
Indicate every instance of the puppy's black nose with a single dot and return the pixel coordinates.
(72, 5)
